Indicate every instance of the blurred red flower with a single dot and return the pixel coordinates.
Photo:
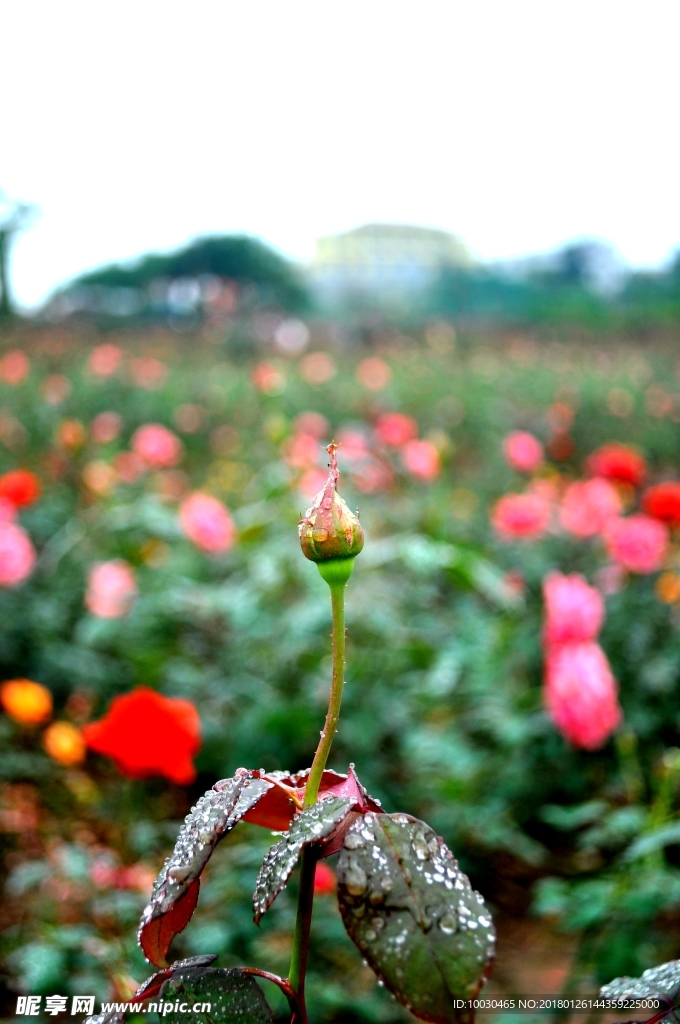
(581, 694)
(522, 451)
(325, 882)
(521, 516)
(395, 429)
(638, 543)
(207, 522)
(588, 505)
(148, 734)
(662, 501)
(157, 445)
(617, 462)
(20, 486)
(574, 610)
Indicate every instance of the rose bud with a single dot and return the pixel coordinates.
(330, 534)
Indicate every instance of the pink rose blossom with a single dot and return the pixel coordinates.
(352, 445)
(588, 505)
(638, 543)
(421, 458)
(523, 451)
(207, 523)
(580, 694)
(395, 429)
(105, 359)
(17, 554)
(14, 367)
(157, 445)
(521, 516)
(574, 610)
(111, 589)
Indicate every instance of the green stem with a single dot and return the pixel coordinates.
(337, 684)
(303, 922)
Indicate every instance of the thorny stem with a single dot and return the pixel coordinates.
(298, 963)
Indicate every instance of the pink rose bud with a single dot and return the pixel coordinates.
(329, 532)
(17, 554)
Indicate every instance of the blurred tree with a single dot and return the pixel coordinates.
(13, 217)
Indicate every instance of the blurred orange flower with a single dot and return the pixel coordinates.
(14, 367)
(64, 743)
(373, 373)
(71, 434)
(26, 702)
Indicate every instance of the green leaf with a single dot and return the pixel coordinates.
(175, 891)
(234, 997)
(662, 981)
(312, 825)
(413, 914)
(656, 839)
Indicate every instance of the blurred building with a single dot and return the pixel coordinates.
(384, 259)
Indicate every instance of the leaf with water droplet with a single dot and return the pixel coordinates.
(152, 986)
(175, 891)
(234, 997)
(658, 982)
(413, 915)
(312, 825)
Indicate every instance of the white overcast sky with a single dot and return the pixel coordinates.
(516, 124)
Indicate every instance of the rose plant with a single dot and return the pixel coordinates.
(404, 901)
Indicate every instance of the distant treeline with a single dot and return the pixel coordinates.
(565, 293)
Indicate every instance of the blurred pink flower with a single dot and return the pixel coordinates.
(207, 523)
(353, 447)
(312, 423)
(157, 445)
(638, 543)
(395, 429)
(311, 482)
(104, 360)
(17, 554)
(111, 589)
(574, 610)
(588, 505)
(129, 466)
(301, 451)
(14, 367)
(581, 694)
(523, 451)
(373, 373)
(147, 372)
(105, 427)
(421, 458)
(521, 516)
(371, 476)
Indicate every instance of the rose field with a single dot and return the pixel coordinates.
(513, 639)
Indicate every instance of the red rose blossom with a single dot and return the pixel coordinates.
(663, 502)
(148, 734)
(581, 694)
(20, 486)
(618, 462)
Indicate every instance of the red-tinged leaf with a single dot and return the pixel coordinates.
(277, 808)
(152, 986)
(175, 890)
